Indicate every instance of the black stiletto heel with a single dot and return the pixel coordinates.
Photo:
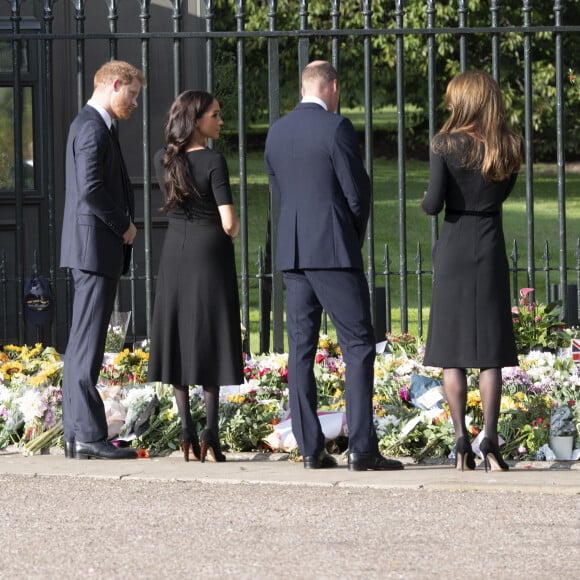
(492, 457)
(464, 456)
(210, 443)
(190, 441)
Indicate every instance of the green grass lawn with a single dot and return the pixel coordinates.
(419, 232)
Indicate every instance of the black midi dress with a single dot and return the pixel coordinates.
(196, 333)
(470, 323)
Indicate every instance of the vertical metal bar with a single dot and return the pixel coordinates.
(177, 25)
(80, 78)
(144, 17)
(368, 99)
(560, 158)
(494, 9)
(578, 276)
(432, 107)
(4, 286)
(240, 19)
(400, 59)
(335, 42)
(263, 306)
(112, 17)
(388, 302)
(209, 16)
(48, 132)
(462, 17)
(273, 114)
(529, 145)
(431, 78)
(80, 47)
(303, 44)
(514, 257)
(36, 272)
(19, 254)
(546, 269)
(419, 272)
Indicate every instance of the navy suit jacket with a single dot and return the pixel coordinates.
(315, 167)
(99, 201)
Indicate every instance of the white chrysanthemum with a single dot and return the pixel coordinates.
(136, 395)
(32, 405)
(406, 368)
(5, 394)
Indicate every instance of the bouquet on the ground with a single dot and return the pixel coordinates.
(563, 421)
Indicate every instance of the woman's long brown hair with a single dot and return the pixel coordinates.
(476, 108)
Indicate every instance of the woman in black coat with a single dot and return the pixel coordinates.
(475, 159)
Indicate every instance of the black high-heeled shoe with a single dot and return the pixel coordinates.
(210, 443)
(492, 457)
(189, 441)
(464, 456)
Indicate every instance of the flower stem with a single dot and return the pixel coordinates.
(46, 439)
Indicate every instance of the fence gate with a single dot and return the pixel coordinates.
(397, 54)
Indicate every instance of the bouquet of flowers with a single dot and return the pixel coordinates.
(537, 325)
(563, 422)
(127, 367)
(117, 331)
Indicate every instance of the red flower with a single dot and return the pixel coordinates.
(319, 358)
(571, 402)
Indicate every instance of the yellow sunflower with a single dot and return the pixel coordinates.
(11, 368)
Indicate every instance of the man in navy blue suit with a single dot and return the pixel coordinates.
(316, 171)
(97, 237)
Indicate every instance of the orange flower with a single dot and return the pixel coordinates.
(142, 453)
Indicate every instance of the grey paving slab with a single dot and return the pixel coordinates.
(548, 477)
(254, 517)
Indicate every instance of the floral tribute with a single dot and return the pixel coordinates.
(30, 401)
(537, 325)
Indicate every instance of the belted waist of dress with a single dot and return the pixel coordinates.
(471, 212)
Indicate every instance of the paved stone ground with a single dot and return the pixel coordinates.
(243, 519)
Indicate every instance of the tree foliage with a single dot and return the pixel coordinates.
(384, 16)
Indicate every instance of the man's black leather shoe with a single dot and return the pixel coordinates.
(372, 461)
(102, 450)
(69, 448)
(321, 461)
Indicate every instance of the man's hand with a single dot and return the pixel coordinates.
(130, 234)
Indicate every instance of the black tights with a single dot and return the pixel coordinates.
(211, 396)
(455, 387)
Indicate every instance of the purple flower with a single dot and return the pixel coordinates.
(404, 393)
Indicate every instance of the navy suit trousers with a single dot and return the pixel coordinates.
(344, 295)
(83, 411)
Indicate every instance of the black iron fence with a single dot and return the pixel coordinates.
(49, 51)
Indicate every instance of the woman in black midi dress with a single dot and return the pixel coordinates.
(474, 163)
(196, 333)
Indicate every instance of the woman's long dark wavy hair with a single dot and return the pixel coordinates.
(183, 115)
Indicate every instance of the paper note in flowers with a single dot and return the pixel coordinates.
(426, 393)
(114, 410)
(333, 425)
